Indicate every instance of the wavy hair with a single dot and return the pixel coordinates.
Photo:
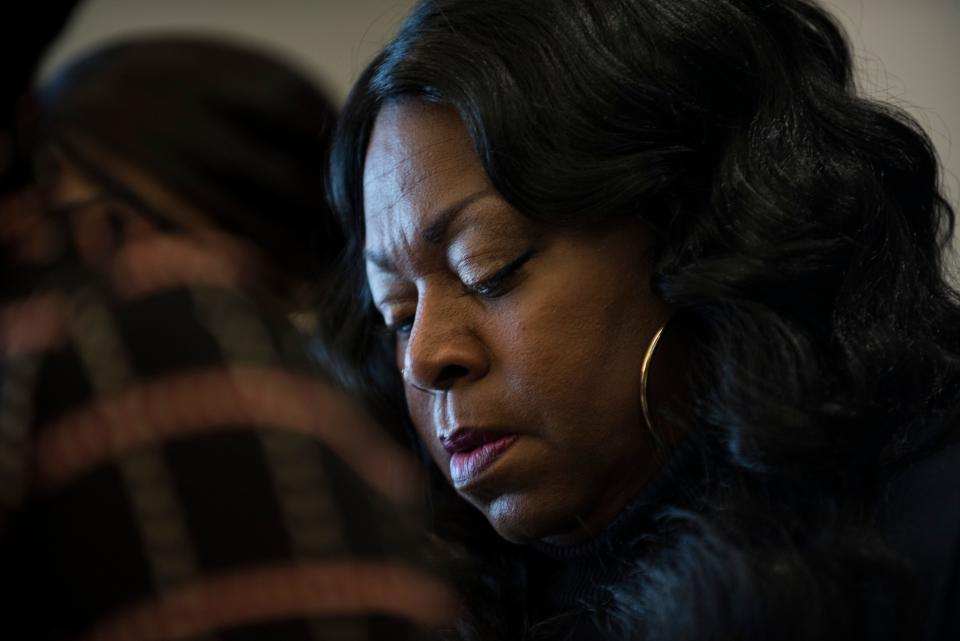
(800, 233)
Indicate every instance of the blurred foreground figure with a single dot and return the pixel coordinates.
(173, 465)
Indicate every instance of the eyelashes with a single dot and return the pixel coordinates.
(402, 327)
(491, 287)
(500, 282)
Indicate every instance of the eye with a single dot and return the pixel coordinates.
(499, 282)
(397, 321)
(395, 310)
(401, 327)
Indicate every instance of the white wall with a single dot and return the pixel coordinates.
(907, 51)
(329, 39)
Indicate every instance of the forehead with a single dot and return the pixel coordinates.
(420, 161)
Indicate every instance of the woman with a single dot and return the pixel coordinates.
(666, 299)
(173, 463)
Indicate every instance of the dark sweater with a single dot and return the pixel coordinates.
(568, 583)
(568, 586)
(572, 590)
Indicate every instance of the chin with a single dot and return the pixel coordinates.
(521, 520)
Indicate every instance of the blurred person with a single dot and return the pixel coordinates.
(175, 465)
(23, 241)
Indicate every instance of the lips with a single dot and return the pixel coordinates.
(473, 451)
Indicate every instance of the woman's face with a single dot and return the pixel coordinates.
(520, 344)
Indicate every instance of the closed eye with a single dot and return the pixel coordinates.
(401, 327)
(397, 314)
(500, 281)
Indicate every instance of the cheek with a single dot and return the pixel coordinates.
(417, 406)
(421, 413)
(560, 345)
(577, 357)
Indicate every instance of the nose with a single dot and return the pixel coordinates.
(443, 350)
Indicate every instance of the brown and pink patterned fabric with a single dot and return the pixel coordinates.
(173, 466)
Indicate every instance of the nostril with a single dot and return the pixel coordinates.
(449, 374)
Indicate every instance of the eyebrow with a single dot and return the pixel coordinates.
(436, 231)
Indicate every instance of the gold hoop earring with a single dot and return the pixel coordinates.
(644, 375)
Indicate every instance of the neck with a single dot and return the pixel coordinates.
(592, 525)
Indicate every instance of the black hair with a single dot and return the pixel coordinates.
(33, 28)
(800, 234)
(237, 133)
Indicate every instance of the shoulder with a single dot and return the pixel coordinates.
(920, 508)
(164, 400)
(920, 517)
